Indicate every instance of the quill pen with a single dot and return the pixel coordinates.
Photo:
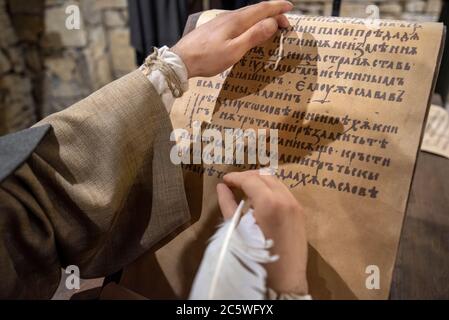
(232, 266)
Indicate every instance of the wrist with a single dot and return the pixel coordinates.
(188, 61)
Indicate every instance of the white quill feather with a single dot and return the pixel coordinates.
(232, 264)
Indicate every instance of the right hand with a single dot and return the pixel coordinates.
(281, 219)
(220, 43)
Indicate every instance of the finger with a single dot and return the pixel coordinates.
(226, 200)
(247, 172)
(244, 174)
(254, 36)
(271, 181)
(249, 16)
(274, 183)
(252, 185)
(282, 21)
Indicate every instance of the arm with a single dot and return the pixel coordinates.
(281, 219)
(100, 189)
(97, 192)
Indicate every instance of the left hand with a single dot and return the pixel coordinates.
(281, 219)
(220, 43)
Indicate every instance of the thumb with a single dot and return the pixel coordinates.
(226, 200)
(254, 36)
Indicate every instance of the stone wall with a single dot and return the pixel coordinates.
(411, 10)
(19, 63)
(78, 62)
(45, 67)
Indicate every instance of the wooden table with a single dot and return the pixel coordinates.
(422, 263)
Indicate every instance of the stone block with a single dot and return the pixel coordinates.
(419, 17)
(434, 6)
(114, 18)
(97, 42)
(353, 10)
(15, 55)
(18, 110)
(57, 35)
(91, 15)
(61, 67)
(122, 54)
(16, 85)
(7, 33)
(111, 4)
(33, 59)
(28, 27)
(100, 72)
(415, 6)
(390, 8)
(5, 65)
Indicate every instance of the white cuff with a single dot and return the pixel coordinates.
(157, 78)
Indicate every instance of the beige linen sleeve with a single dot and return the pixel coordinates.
(99, 191)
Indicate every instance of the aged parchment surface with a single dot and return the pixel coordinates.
(349, 98)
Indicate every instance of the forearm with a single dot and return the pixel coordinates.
(98, 191)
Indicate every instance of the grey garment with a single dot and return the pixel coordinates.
(17, 147)
(155, 23)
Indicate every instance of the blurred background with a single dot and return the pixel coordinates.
(45, 67)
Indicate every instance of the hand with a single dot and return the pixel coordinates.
(220, 43)
(281, 219)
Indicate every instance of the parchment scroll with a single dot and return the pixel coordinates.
(349, 100)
